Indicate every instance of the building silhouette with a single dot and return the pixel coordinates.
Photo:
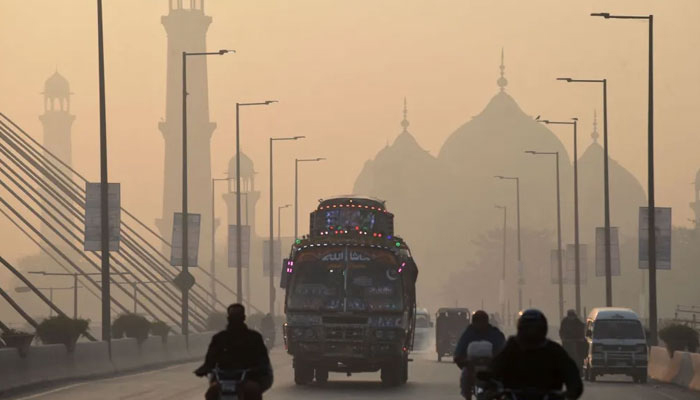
(57, 122)
(695, 205)
(445, 205)
(186, 28)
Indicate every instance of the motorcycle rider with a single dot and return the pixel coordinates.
(238, 347)
(531, 361)
(479, 330)
(572, 334)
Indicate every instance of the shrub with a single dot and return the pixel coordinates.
(132, 326)
(20, 340)
(216, 321)
(679, 338)
(62, 330)
(160, 328)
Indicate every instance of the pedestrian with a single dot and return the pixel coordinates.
(572, 334)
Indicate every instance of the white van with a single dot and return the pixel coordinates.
(616, 344)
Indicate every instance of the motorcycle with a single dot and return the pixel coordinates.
(494, 390)
(229, 382)
(479, 355)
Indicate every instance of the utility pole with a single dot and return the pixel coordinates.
(653, 317)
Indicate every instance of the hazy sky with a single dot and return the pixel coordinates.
(341, 69)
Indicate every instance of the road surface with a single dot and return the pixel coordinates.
(428, 380)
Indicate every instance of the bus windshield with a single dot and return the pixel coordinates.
(374, 287)
(317, 286)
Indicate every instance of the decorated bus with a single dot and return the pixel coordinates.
(350, 294)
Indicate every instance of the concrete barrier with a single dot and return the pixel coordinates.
(658, 363)
(683, 369)
(695, 382)
(52, 363)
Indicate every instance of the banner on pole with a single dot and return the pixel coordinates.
(93, 216)
(600, 251)
(662, 224)
(193, 223)
(232, 246)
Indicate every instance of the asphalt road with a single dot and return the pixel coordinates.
(428, 380)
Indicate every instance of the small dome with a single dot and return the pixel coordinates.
(56, 86)
(247, 169)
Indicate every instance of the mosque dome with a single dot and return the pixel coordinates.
(396, 168)
(247, 169)
(56, 86)
(626, 193)
(494, 143)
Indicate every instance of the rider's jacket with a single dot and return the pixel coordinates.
(238, 347)
(545, 367)
(471, 334)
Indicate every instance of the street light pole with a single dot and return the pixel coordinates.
(272, 224)
(296, 191)
(577, 255)
(239, 246)
(653, 321)
(212, 271)
(606, 187)
(104, 219)
(559, 261)
(502, 289)
(185, 215)
(521, 279)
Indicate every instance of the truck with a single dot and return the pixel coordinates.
(350, 294)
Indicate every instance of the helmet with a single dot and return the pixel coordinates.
(532, 328)
(480, 316)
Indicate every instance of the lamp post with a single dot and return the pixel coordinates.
(25, 289)
(104, 204)
(651, 206)
(606, 186)
(185, 216)
(559, 263)
(502, 288)
(213, 241)
(296, 190)
(521, 279)
(75, 283)
(272, 223)
(577, 255)
(239, 247)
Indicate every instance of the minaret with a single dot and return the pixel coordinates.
(187, 29)
(405, 123)
(502, 81)
(696, 204)
(57, 122)
(249, 196)
(594, 134)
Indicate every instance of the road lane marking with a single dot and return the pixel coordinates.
(666, 395)
(60, 389)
